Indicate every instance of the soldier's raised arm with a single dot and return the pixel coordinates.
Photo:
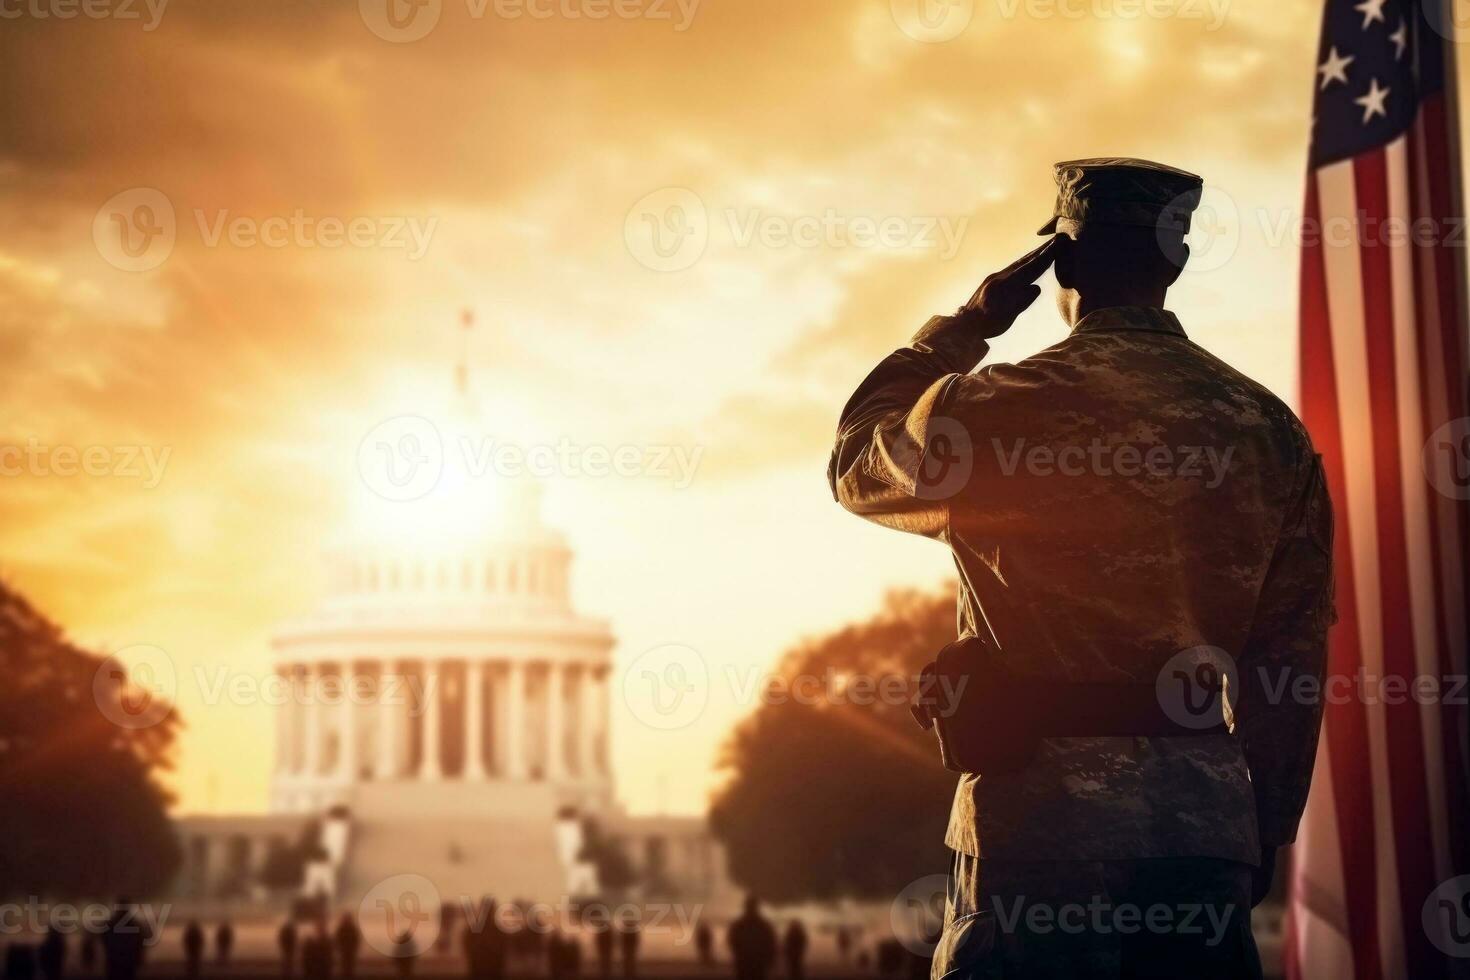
(891, 463)
(1276, 724)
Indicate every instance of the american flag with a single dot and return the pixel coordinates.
(1383, 379)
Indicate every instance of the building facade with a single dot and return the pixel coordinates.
(448, 717)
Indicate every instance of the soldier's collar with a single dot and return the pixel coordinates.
(1149, 319)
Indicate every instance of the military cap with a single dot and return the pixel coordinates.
(1123, 191)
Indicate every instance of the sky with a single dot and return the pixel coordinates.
(687, 228)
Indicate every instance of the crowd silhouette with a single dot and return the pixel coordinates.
(493, 943)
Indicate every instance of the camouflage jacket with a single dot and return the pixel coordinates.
(1114, 504)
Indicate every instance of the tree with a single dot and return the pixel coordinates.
(831, 788)
(84, 813)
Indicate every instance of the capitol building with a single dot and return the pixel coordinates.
(448, 716)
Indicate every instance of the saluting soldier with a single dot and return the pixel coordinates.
(1143, 536)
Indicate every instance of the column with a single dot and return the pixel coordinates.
(474, 720)
(429, 770)
(515, 720)
(555, 709)
(587, 724)
(295, 708)
(283, 723)
(347, 738)
(311, 755)
(600, 747)
(391, 691)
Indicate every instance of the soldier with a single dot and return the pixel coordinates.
(1123, 508)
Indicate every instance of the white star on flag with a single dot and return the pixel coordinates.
(1371, 10)
(1374, 102)
(1400, 39)
(1334, 69)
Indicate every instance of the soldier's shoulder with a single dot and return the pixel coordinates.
(1258, 404)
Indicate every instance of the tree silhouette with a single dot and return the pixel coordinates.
(84, 815)
(832, 789)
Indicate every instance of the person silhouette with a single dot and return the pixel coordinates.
(752, 942)
(844, 943)
(224, 941)
(793, 946)
(193, 949)
(286, 943)
(89, 951)
(316, 953)
(123, 942)
(347, 938)
(405, 951)
(629, 935)
(604, 940)
(51, 954)
(558, 956)
(572, 953)
(20, 962)
(474, 940)
(704, 944)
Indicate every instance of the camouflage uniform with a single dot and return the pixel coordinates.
(1112, 501)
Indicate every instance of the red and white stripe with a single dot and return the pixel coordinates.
(1382, 367)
